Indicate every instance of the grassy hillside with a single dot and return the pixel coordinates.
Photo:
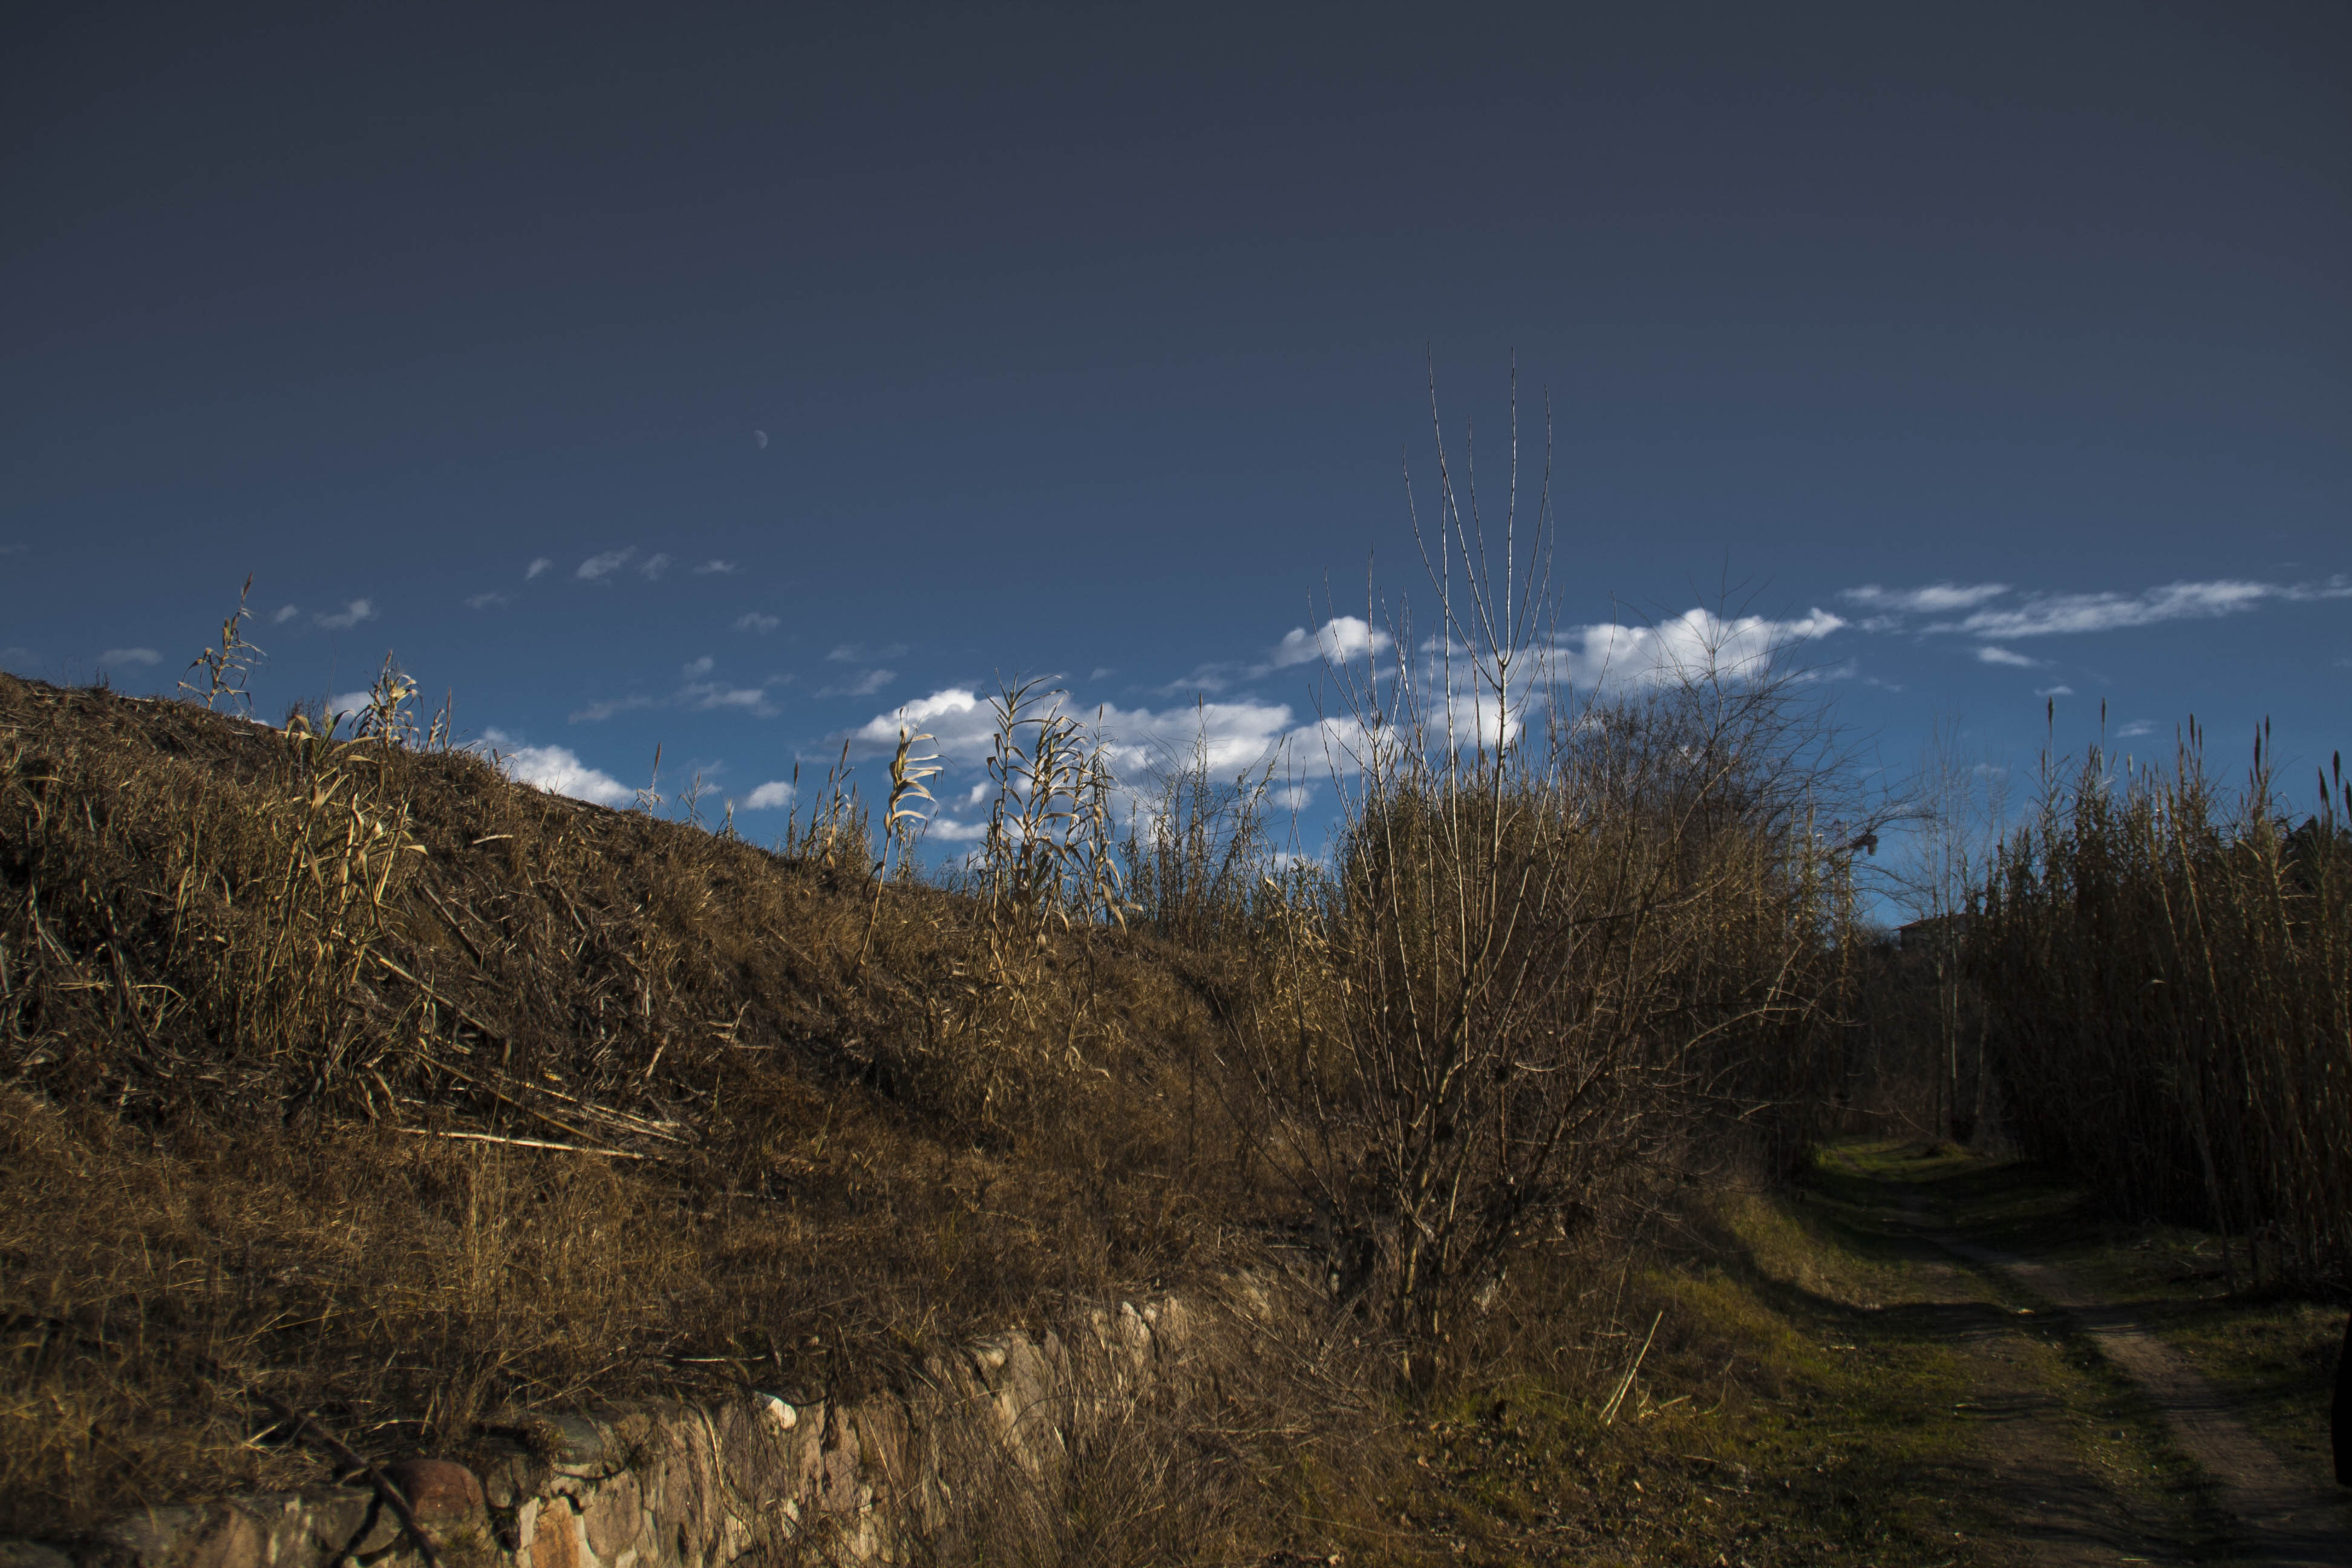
(343, 1074)
(353, 1072)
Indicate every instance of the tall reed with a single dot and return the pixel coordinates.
(2169, 962)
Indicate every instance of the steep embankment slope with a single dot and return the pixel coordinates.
(355, 1075)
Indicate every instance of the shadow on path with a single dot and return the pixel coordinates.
(2281, 1519)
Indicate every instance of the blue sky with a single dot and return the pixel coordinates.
(726, 378)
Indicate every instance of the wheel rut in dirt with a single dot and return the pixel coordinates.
(2056, 1510)
(2276, 1517)
(2284, 1521)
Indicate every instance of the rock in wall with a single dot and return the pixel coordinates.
(681, 1485)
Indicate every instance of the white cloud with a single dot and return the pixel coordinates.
(1696, 645)
(1935, 599)
(2136, 727)
(115, 657)
(345, 704)
(488, 601)
(2055, 691)
(865, 685)
(1338, 639)
(700, 667)
(714, 566)
(654, 566)
(285, 614)
(775, 793)
(349, 615)
(759, 439)
(1294, 797)
(756, 622)
(1989, 653)
(1234, 735)
(2054, 614)
(539, 564)
(598, 567)
(558, 770)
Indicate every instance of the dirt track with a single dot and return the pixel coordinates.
(2062, 1510)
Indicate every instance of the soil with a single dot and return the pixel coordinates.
(2255, 1507)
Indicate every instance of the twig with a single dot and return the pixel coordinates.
(560, 1126)
(385, 1490)
(431, 995)
(455, 929)
(1625, 1384)
(525, 1142)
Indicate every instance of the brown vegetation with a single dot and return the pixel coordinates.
(349, 1071)
(2168, 966)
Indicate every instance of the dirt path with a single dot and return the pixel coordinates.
(2057, 1509)
(2280, 1520)
(2285, 1523)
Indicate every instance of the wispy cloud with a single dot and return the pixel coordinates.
(653, 566)
(557, 770)
(707, 695)
(863, 653)
(596, 568)
(488, 601)
(1989, 653)
(709, 568)
(865, 685)
(1337, 640)
(756, 622)
(769, 796)
(2054, 691)
(605, 707)
(2061, 615)
(1935, 599)
(699, 693)
(349, 615)
(538, 566)
(2135, 729)
(116, 657)
(2056, 614)
(285, 614)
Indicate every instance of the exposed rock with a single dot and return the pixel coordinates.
(688, 1486)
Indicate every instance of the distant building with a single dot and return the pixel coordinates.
(1935, 930)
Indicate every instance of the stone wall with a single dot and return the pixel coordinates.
(678, 1485)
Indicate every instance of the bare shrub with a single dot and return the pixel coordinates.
(1553, 922)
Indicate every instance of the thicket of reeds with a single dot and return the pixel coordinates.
(2167, 963)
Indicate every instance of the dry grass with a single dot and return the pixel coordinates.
(348, 1073)
(351, 1072)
